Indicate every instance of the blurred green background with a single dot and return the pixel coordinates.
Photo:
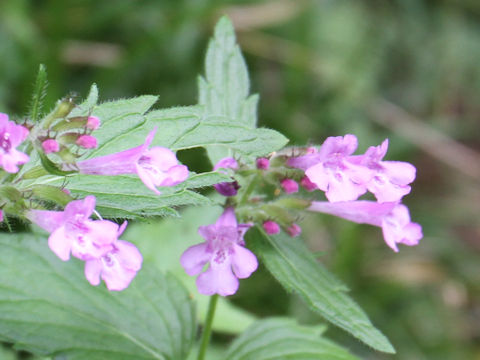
(403, 69)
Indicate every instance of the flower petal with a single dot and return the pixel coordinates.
(244, 262)
(194, 258)
(60, 243)
(92, 271)
(218, 280)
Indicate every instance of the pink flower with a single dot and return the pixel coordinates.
(289, 186)
(93, 123)
(294, 230)
(334, 173)
(1, 215)
(50, 146)
(263, 163)
(72, 230)
(307, 184)
(117, 267)
(87, 142)
(224, 250)
(390, 179)
(227, 188)
(11, 135)
(393, 218)
(157, 166)
(271, 227)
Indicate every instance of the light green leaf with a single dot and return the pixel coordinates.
(47, 307)
(88, 104)
(125, 196)
(224, 92)
(294, 266)
(283, 339)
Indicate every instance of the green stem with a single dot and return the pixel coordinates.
(207, 330)
(248, 191)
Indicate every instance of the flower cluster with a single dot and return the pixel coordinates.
(58, 139)
(344, 177)
(96, 242)
(334, 169)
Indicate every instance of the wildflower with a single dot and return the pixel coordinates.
(271, 227)
(157, 166)
(1, 216)
(225, 253)
(87, 142)
(11, 135)
(72, 230)
(392, 217)
(307, 184)
(331, 170)
(117, 267)
(50, 146)
(289, 186)
(263, 163)
(390, 179)
(227, 188)
(294, 230)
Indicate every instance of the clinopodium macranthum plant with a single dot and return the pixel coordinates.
(77, 174)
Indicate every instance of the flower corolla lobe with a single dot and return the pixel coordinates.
(11, 135)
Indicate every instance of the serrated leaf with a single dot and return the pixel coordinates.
(39, 93)
(47, 307)
(88, 104)
(224, 92)
(296, 269)
(125, 196)
(283, 339)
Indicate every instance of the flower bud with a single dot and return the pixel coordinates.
(93, 123)
(307, 184)
(271, 227)
(263, 163)
(289, 186)
(294, 230)
(50, 146)
(87, 141)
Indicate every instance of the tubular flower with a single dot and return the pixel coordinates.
(157, 166)
(392, 217)
(117, 267)
(11, 135)
(390, 179)
(225, 253)
(72, 230)
(226, 188)
(331, 170)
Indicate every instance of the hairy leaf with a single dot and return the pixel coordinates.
(283, 339)
(47, 307)
(296, 269)
(224, 92)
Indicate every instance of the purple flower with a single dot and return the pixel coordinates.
(224, 250)
(227, 188)
(157, 166)
(390, 179)
(393, 218)
(72, 230)
(117, 267)
(331, 170)
(11, 135)
(263, 163)
(307, 184)
(50, 146)
(1, 215)
(271, 227)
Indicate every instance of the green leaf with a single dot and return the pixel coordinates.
(293, 265)
(125, 196)
(224, 92)
(283, 339)
(39, 93)
(47, 307)
(88, 105)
